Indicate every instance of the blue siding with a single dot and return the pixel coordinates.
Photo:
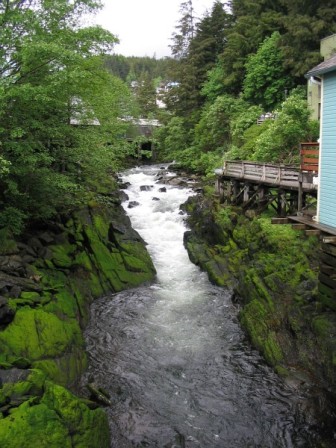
(327, 190)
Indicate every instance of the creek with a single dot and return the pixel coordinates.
(172, 355)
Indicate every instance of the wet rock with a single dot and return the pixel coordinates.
(124, 185)
(24, 283)
(35, 243)
(155, 199)
(98, 394)
(6, 313)
(163, 190)
(15, 291)
(177, 182)
(26, 250)
(28, 259)
(146, 187)
(13, 375)
(133, 204)
(46, 237)
(123, 196)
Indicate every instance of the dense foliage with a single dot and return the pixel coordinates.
(62, 94)
(238, 64)
(58, 108)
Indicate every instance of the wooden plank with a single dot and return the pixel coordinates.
(310, 152)
(299, 226)
(326, 280)
(312, 232)
(329, 271)
(306, 167)
(329, 239)
(328, 259)
(279, 221)
(310, 160)
(326, 290)
(329, 249)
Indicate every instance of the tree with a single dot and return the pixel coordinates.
(266, 81)
(185, 31)
(279, 142)
(145, 94)
(190, 70)
(50, 74)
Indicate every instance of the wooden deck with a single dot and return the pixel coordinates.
(257, 185)
(311, 227)
(284, 176)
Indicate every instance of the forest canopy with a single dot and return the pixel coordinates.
(240, 61)
(59, 108)
(64, 90)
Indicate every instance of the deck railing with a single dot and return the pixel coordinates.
(262, 172)
(309, 154)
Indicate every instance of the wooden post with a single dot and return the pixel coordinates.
(235, 189)
(300, 193)
(283, 203)
(246, 195)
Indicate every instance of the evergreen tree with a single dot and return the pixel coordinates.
(190, 71)
(145, 95)
(53, 88)
(266, 81)
(185, 31)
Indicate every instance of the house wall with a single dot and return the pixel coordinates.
(327, 173)
(314, 99)
(328, 46)
(327, 49)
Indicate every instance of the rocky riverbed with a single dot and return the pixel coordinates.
(48, 280)
(273, 273)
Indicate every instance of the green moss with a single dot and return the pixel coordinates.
(256, 287)
(63, 304)
(36, 334)
(53, 279)
(61, 255)
(82, 259)
(57, 419)
(11, 393)
(101, 226)
(323, 327)
(7, 244)
(65, 370)
(271, 349)
(89, 428)
(96, 285)
(34, 426)
(254, 320)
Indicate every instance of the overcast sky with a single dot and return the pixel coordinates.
(145, 27)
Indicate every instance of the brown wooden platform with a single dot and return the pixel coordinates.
(280, 176)
(328, 233)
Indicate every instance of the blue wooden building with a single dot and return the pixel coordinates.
(326, 206)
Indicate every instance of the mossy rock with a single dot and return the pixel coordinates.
(64, 370)
(63, 305)
(254, 319)
(57, 419)
(62, 255)
(82, 259)
(36, 334)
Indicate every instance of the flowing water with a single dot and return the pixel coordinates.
(172, 355)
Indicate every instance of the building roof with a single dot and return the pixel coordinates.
(325, 67)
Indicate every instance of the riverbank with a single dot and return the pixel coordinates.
(48, 281)
(272, 272)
